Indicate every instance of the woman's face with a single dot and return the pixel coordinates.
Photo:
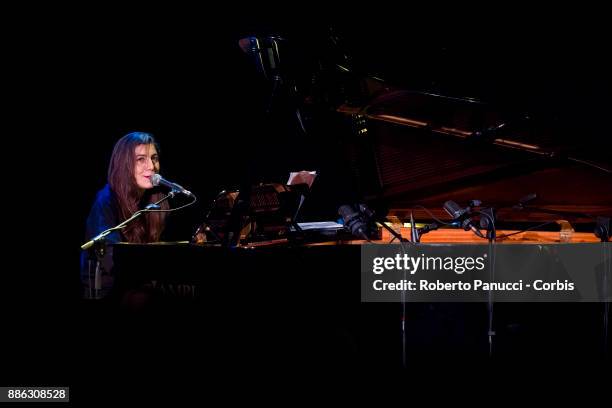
(147, 164)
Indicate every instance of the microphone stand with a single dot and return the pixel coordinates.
(395, 234)
(204, 226)
(489, 215)
(415, 238)
(416, 233)
(239, 211)
(603, 233)
(382, 221)
(491, 332)
(122, 225)
(99, 248)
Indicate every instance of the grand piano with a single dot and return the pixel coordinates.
(406, 152)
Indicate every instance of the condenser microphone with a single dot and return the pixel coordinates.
(462, 216)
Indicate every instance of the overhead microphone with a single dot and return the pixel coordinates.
(461, 216)
(156, 180)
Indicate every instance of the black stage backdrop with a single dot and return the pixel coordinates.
(79, 83)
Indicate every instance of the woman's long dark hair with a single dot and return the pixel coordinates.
(129, 197)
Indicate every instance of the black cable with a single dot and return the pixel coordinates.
(123, 224)
(433, 216)
(527, 229)
(173, 209)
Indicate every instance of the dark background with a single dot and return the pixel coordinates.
(79, 79)
(79, 83)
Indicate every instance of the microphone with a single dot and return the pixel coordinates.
(371, 216)
(458, 213)
(156, 180)
(364, 209)
(353, 221)
(454, 210)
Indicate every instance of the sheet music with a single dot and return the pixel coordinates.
(320, 225)
(302, 177)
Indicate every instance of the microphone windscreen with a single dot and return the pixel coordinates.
(347, 213)
(155, 179)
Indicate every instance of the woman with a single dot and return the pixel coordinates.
(134, 160)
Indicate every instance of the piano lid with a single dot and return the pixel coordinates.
(424, 147)
(441, 109)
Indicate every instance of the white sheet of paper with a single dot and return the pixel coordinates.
(300, 177)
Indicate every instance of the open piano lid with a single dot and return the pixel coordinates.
(423, 148)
